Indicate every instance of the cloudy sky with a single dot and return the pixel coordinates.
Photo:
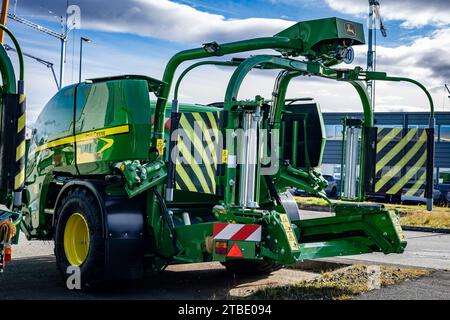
(140, 36)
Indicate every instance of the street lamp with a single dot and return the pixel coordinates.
(82, 39)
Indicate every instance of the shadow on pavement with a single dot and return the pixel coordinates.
(38, 278)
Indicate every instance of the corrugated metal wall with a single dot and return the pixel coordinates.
(333, 148)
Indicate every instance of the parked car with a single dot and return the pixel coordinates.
(444, 188)
(332, 189)
(437, 196)
(300, 193)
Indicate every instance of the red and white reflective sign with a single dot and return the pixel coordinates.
(237, 232)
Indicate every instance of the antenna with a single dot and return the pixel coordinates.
(374, 22)
(446, 91)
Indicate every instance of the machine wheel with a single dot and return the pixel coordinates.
(248, 267)
(79, 238)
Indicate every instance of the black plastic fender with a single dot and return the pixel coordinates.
(125, 237)
(124, 230)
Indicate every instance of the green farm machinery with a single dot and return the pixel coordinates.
(126, 184)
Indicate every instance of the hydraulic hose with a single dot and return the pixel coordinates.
(167, 219)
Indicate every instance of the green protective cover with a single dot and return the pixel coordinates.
(303, 122)
(112, 104)
(320, 31)
(111, 122)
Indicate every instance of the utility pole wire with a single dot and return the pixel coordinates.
(446, 90)
(46, 63)
(63, 36)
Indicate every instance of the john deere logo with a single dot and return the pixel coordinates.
(350, 29)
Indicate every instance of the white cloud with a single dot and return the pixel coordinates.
(424, 59)
(107, 56)
(413, 13)
(167, 20)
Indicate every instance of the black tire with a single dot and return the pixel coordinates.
(82, 201)
(251, 267)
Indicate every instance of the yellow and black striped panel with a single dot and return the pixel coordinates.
(197, 150)
(19, 175)
(401, 161)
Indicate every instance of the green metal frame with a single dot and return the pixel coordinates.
(360, 76)
(346, 220)
(6, 68)
(10, 85)
(355, 229)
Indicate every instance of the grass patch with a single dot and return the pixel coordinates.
(338, 285)
(411, 215)
(426, 219)
(311, 201)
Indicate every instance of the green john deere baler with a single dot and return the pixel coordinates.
(124, 183)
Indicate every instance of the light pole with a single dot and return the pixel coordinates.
(374, 18)
(82, 39)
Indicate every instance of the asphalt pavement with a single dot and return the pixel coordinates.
(424, 249)
(33, 275)
(433, 287)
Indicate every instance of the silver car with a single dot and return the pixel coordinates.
(332, 188)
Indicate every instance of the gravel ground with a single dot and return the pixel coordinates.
(34, 266)
(27, 249)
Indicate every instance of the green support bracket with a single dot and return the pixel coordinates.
(142, 177)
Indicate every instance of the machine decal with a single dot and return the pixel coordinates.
(350, 29)
(87, 150)
(84, 137)
(109, 144)
(401, 157)
(397, 225)
(160, 146)
(197, 152)
(289, 233)
(224, 155)
(237, 232)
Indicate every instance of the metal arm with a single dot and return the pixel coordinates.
(198, 64)
(199, 53)
(384, 77)
(8, 77)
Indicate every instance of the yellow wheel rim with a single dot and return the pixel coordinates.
(76, 239)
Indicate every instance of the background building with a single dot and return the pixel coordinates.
(333, 150)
